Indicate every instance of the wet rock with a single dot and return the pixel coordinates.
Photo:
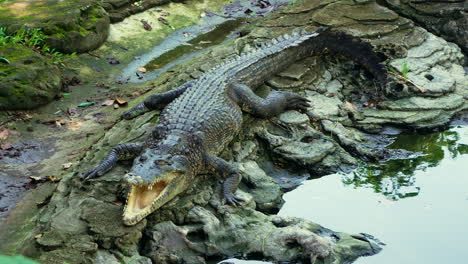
(448, 102)
(264, 189)
(29, 80)
(447, 19)
(264, 235)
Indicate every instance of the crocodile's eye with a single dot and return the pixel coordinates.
(161, 162)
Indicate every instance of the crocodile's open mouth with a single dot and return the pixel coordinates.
(142, 199)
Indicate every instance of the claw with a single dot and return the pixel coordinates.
(90, 174)
(233, 200)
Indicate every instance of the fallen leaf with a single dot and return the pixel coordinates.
(74, 125)
(4, 134)
(6, 146)
(85, 104)
(35, 178)
(121, 101)
(351, 105)
(67, 165)
(142, 69)
(108, 102)
(38, 236)
(54, 179)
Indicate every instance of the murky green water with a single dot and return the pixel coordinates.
(417, 206)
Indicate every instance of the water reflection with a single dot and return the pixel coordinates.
(395, 178)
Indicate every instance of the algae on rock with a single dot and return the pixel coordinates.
(29, 80)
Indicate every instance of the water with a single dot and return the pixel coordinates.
(417, 206)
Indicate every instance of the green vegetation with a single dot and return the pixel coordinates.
(405, 69)
(33, 38)
(15, 260)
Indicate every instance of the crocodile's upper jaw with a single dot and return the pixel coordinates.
(143, 199)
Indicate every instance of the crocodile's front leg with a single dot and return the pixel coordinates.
(156, 101)
(119, 152)
(274, 104)
(230, 175)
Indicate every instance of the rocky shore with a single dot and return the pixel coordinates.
(81, 223)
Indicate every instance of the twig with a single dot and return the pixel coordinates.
(399, 76)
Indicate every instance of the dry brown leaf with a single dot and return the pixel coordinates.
(351, 105)
(74, 125)
(142, 69)
(120, 101)
(4, 133)
(108, 102)
(6, 146)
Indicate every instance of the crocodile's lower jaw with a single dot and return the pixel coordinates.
(141, 199)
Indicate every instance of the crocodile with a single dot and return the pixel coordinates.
(199, 118)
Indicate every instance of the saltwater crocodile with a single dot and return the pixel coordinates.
(202, 116)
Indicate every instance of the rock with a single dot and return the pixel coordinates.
(78, 26)
(264, 189)
(447, 19)
(29, 80)
(266, 236)
(294, 118)
(448, 102)
(104, 257)
(322, 106)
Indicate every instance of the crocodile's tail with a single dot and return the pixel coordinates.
(340, 43)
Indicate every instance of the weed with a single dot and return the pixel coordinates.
(35, 39)
(405, 69)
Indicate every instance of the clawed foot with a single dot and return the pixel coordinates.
(96, 172)
(298, 103)
(233, 200)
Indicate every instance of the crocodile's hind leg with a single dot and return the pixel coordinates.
(274, 104)
(156, 101)
(230, 175)
(119, 152)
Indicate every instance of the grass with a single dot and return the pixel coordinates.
(405, 69)
(33, 38)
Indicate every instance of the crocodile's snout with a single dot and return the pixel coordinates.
(133, 179)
